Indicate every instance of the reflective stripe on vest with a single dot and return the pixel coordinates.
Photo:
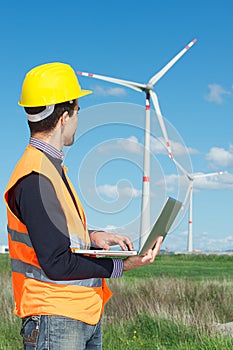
(30, 271)
(19, 237)
(24, 238)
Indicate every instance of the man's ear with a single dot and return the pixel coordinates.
(64, 117)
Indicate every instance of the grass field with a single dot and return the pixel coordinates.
(194, 267)
(174, 304)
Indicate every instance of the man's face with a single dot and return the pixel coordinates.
(70, 127)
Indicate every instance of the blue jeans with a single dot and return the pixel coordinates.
(60, 333)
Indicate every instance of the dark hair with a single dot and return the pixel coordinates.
(50, 122)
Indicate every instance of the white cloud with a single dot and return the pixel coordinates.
(110, 228)
(177, 240)
(216, 93)
(215, 182)
(215, 244)
(114, 192)
(117, 91)
(158, 146)
(201, 181)
(178, 149)
(107, 228)
(109, 191)
(131, 145)
(171, 181)
(220, 157)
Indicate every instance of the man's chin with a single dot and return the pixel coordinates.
(69, 143)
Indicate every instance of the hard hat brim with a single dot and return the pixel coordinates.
(81, 94)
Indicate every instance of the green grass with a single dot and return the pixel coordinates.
(9, 335)
(9, 323)
(174, 304)
(5, 266)
(195, 267)
(146, 332)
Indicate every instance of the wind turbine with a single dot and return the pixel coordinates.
(189, 194)
(148, 89)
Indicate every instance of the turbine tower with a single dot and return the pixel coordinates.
(150, 94)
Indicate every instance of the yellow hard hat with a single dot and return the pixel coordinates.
(49, 84)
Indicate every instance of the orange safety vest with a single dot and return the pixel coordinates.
(34, 292)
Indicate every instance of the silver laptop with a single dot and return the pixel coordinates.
(161, 227)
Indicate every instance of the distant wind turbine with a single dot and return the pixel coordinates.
(189, 194)
(148, 89)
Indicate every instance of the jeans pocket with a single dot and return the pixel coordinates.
(30, 332)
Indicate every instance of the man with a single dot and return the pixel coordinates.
(59, 295)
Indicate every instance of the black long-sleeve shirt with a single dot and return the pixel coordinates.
(48, 230)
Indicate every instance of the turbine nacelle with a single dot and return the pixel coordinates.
(149, 87)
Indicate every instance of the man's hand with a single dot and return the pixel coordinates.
(104, 240)
(133, 262)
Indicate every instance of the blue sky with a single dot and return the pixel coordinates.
(132, 40)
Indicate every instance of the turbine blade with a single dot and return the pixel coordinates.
(161, 121)
(196, 176)
(159, 75)
(130, 84)
(185, 172)
(187, 195)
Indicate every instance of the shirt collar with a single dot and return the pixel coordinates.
(46, 147)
